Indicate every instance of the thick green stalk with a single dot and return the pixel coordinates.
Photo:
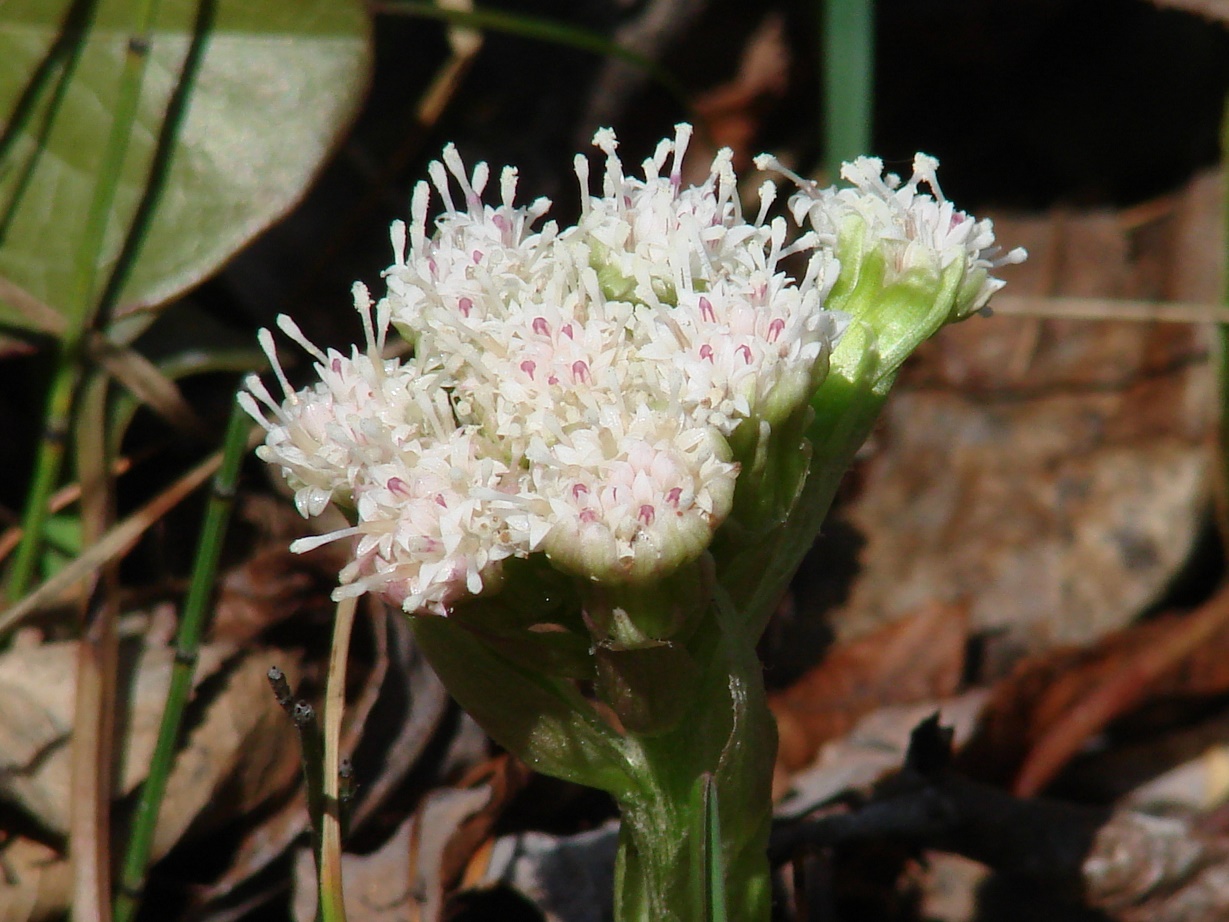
(187, 644)
(848, 80)
(723, 751)
(82, 301)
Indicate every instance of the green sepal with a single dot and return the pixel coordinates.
(544, 721)
(903, 308)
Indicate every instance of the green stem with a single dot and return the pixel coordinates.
(187, 644)
(848, 80)
(722, 750)
(47, 466)
(81, 304)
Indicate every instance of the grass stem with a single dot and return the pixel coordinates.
(187, 645)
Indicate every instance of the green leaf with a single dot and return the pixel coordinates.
(276, 83)
(544, 721)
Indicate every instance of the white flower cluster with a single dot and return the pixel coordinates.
(570, 391)
(914, 230)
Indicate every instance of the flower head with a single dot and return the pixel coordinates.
(571, 392)
(909, 260)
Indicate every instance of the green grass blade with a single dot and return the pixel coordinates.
(187, 644)
(54, 70)
(50, 458)
(848, 80)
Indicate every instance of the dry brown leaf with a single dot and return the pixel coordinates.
(1053, 472)
(568, 878)
(266, 589)
(405, 716)
(242, 754)
(403, 879)
(1125, 669)
(918, 658)
(35, 881)
(504, 777)
(413, 872)
(36, 718)
(872, 749)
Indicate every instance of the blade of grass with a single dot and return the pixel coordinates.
(62, 393)
(160, 163)
(117, 542)
(848, 80)
(711, 861)
(539, 29)
(187, 645)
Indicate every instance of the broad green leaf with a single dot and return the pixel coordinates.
(542, 720)
(277, 83)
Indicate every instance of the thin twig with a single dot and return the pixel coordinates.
(332, 902)
(97, 667)
(1109, 309)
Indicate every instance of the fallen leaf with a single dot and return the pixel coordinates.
(733, 111)
(1214, 10)
(569, 878)
(1072, 693)
(35, 881)
(36, 718)
(873, 748)
(918, 658)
